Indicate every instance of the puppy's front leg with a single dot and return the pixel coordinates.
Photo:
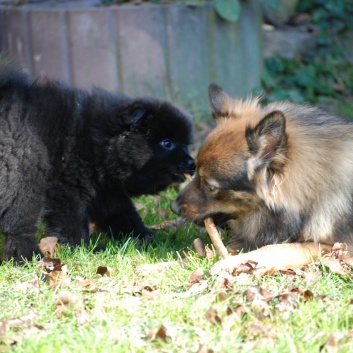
(276, 257)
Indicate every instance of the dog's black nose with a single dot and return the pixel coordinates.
(191, 166)
(175, 207)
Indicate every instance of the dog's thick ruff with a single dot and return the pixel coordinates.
(67, 155)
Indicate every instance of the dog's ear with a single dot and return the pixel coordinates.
(268, 140)
(217, 99)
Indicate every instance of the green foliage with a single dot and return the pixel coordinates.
(324, 75)
(228, 9)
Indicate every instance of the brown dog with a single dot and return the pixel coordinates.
(283, 172)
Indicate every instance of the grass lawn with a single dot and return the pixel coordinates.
(125, 310)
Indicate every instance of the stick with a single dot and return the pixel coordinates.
(215, 238)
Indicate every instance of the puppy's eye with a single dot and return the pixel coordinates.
(167, 144)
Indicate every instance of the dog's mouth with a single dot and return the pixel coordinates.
(180, 177)
(218, 218)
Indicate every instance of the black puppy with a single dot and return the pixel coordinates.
(67, 155)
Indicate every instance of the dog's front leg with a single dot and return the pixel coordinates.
(273, 257)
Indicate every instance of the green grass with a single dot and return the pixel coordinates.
(122, 309)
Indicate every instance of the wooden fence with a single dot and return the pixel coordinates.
(168, 51)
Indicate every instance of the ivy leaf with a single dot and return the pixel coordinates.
(194, 2)
(228, 9)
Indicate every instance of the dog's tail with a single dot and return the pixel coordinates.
(11, 72)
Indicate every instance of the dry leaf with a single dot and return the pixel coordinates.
(158, 333)
(48, 263)
(334, 265)
(212, 316)
(137, 289)
(48, 245)
(196, 277)
(332, 343)
(265, 331)
(22, 320)
(256, 292)
(105, 271)
(66, 298)
(312, 277)
(209, 253)
(2, 330)
(83, 316)
(195, 289)
(58, 276)
(85, 283)
(199, 247)
(170, 225)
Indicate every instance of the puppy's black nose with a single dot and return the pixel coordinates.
(191, 166)
(175, 207)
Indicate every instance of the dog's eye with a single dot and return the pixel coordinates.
(167, 144)
(210, 187)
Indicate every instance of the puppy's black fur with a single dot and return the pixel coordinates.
(67, 155)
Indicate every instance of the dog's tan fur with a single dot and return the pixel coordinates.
(283, 172)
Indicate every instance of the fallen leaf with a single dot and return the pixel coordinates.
(58, 276)
(105, 271)
(312, 277)
(209, 253)
(82, 316)
(48, 245)
(66, 298)
(339, 250)
(205, 350)
(170, 225)
(199, 247)
(85, 283)
(334, 265)
(256, 292)
(157, 333)
(65, 301)
(196, 277)
(195, 289)
(22, 320)
(212, 316)
(2, 330)
(137, 289)
(332, 343)
(265, 331)
(48, 263)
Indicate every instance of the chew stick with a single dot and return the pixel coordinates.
(187, 176)
(215, 238)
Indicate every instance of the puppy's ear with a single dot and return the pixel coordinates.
(268, 140)
(218, 100)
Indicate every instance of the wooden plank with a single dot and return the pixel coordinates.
(251, 33)
(92, 49)
(141, 41)
(49, 46)
(227, 58)
(188, 55)
(16, 34)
